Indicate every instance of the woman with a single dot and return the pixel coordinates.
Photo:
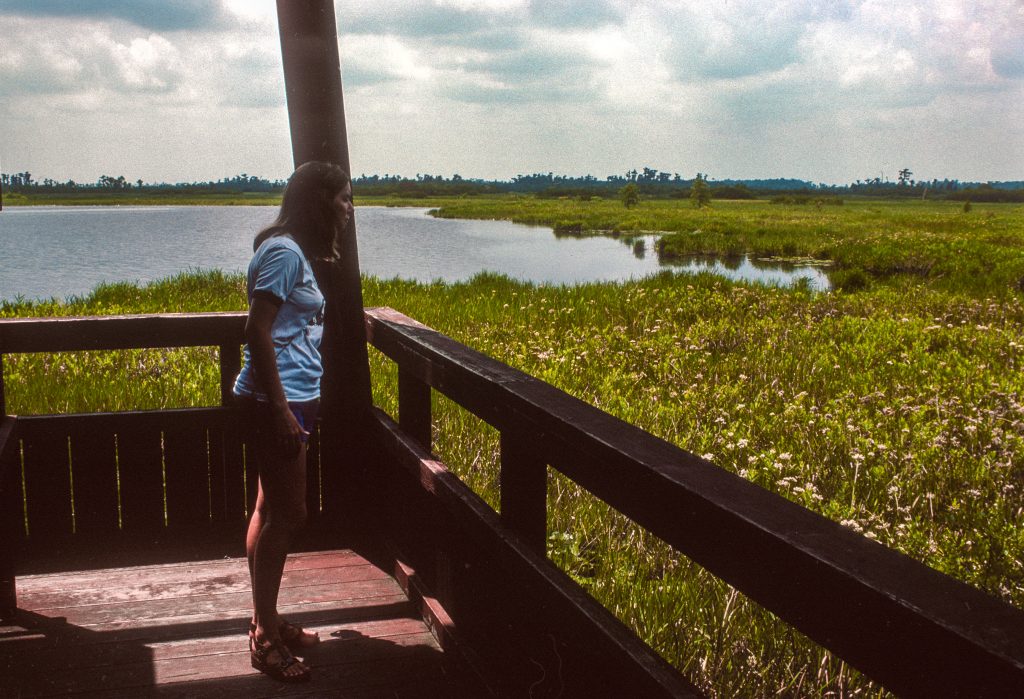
(278, 391)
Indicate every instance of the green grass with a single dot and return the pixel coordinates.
(865, 241)
(898, 414)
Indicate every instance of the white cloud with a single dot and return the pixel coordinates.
(805, 88)
(159, 15)
(369, 59)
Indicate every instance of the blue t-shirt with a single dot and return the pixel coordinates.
(279, 268)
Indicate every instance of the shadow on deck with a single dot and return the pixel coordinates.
(179, 630)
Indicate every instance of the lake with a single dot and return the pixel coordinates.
(64, 251)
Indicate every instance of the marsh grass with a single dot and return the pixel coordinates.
(896, 414)
(895, 411)
(980, 251)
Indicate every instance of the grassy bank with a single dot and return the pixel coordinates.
(897, 414)
(867, 242)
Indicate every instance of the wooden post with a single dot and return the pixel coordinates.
(11, 512)
(524, 492)
(230, 365)
(8, 596)
(309, 49)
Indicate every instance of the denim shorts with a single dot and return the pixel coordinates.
(260, 420)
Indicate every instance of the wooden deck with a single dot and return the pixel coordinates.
(179, 630)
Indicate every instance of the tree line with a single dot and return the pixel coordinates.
(24, 182)
(648, 182)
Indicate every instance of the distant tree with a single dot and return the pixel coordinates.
(737, 191)
(630, 195)
(904, 177)
(700, 193)
(19, 180)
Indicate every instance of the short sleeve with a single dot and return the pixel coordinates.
(278, 272)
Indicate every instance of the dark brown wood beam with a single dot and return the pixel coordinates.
(572, 616)
(10, 513)
(73, 334)
(316, 114)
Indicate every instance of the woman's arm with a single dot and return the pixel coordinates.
(258, 325)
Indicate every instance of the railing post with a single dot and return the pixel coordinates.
(230, 365)
(9, 477)
(524, 491)
(10, 516)
(414, 408)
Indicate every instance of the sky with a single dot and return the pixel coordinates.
(823, 90)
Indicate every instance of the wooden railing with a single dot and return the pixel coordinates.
(914, 630)
(75, 334)
(483, 578)
(140, 481)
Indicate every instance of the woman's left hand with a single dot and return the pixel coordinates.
(288, 433)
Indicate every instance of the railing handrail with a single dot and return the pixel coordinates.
(138, 331)
(913, 629)
(83, 333)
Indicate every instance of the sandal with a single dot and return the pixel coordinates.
(293, 635)
(259, 656)
(296, 637)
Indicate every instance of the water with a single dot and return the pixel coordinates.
(64, 251)
(764, 271)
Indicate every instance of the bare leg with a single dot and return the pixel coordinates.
(280, 510)
(296, 636)
(253, 533)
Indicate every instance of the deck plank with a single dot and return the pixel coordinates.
(170, 585)
(179, 630)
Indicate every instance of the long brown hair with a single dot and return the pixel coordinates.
(307, 210)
